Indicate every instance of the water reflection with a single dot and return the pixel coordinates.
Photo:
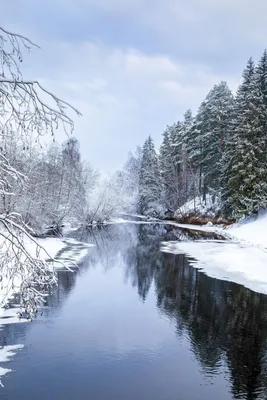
(225, 322)
(222, 323)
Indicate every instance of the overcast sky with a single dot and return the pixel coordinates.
(133, 66)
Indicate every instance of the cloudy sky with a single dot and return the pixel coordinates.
(133, 66)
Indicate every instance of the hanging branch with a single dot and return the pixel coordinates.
(25, 105)
(26, 108)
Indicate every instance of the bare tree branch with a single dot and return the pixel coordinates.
(28, 109)
(25, 105)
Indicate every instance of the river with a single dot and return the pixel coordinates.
(135, 323)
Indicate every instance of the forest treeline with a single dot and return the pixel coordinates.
(221, 152)
(53, 186)
(51, 182)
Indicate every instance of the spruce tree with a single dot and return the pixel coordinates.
(170, 157)
(246, 188)
(261, 75)
(261, 79)
(166, 168)
(187, 173)
(210, 133)
(149, 180)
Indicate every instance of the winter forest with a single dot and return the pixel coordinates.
(44, 184)
(220, 152)
(143, 278)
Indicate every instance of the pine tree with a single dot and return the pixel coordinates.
(246, 190)
(149, 179)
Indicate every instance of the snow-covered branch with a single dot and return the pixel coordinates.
(27, 111)
(25, 105)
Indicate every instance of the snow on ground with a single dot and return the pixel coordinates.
(199, 207)
(135, 216)
(6, 353)
(67, 252)
(251, 230)
(128, 221)
(10, 316)
(201, 228)
(241, 259)
(50, 247)
(225, 260)
(118, 221)
(73, 254)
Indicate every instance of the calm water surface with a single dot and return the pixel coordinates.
(135, 323)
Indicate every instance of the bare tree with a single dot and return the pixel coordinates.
(28, 109)
(104, 202)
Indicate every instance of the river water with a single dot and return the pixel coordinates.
(135, 323)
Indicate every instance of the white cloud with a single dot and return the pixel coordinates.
(134, 66)
(151, 67)
(124, 95)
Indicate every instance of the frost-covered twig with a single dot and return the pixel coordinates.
(25, 105)
(26, 109)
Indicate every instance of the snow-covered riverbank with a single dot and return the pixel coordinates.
(241, 259)
(66, 252)
(6, 353)
(251, 231)
(69, 252)
(227, 260)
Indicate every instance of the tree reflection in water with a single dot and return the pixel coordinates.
(225, 322)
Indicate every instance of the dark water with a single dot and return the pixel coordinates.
(135, 323)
